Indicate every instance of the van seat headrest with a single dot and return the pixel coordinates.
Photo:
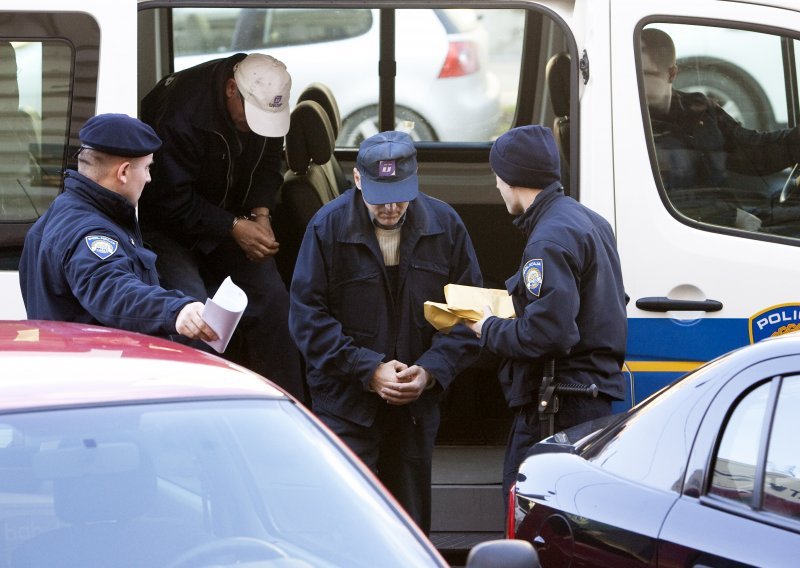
(310, 137)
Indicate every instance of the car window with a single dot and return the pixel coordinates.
(199, 31)
(291, 26)
(453, 80)
(782, 479)
(737, 456)
(718, 121)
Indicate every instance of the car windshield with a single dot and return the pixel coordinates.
(189, 484)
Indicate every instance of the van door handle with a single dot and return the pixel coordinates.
(662, 304)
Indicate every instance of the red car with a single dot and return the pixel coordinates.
(124, 450)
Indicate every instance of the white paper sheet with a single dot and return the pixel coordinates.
(223, 312)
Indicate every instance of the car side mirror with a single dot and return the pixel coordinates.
(503, 554)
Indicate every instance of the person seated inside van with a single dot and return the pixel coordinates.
(699, 145)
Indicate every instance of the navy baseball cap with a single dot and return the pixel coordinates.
(119, 135)
(387, 163)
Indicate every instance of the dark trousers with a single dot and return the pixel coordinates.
(398, 448)
(525, 430)
(261, 342)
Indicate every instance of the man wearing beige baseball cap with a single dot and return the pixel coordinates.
(206, 212)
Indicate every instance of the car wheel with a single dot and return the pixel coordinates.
(732, 88)
(364, 123)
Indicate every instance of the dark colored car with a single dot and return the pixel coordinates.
(705, 472)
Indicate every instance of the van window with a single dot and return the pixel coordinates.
(722, 129)
(32, 148)
(48, 86)
(458, 85)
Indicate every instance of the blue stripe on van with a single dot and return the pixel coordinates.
(661, 349)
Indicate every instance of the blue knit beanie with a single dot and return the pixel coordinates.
(526, 156)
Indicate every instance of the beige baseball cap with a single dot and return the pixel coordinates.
(265, 85)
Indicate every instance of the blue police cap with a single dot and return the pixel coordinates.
(119, 135)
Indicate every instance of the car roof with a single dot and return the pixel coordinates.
(52, 364)
(768, 348)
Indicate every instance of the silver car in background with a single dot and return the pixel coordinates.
(444, 89)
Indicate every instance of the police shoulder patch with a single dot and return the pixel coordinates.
(533, 275)
(101, 246)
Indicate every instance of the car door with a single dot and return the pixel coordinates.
(741, 499)
(700, 285)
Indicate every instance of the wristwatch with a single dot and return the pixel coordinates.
(239, 218)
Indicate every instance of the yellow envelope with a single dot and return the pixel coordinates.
(439, 316)
(466, 303)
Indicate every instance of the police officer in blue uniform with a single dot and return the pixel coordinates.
(375, 367)
(83, 260)
(568, 295)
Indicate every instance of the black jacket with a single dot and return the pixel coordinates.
(346, 320)
(699, 143)
(206, 173)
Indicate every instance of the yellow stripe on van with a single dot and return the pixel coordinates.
(663, 366)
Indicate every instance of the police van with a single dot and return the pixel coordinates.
(699, 283)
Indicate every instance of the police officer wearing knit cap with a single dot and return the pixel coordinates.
(376, 370)
(83, 260)
(207, 212)
(568, 295)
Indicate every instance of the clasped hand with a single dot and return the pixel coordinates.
(397, 383)
(256, 238)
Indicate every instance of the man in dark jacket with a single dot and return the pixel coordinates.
(207, 211)
(376, 369)
(698, 144)
(83, 260)
(568, 295)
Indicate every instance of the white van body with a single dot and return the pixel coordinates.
(662, 257)
(696, 289)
